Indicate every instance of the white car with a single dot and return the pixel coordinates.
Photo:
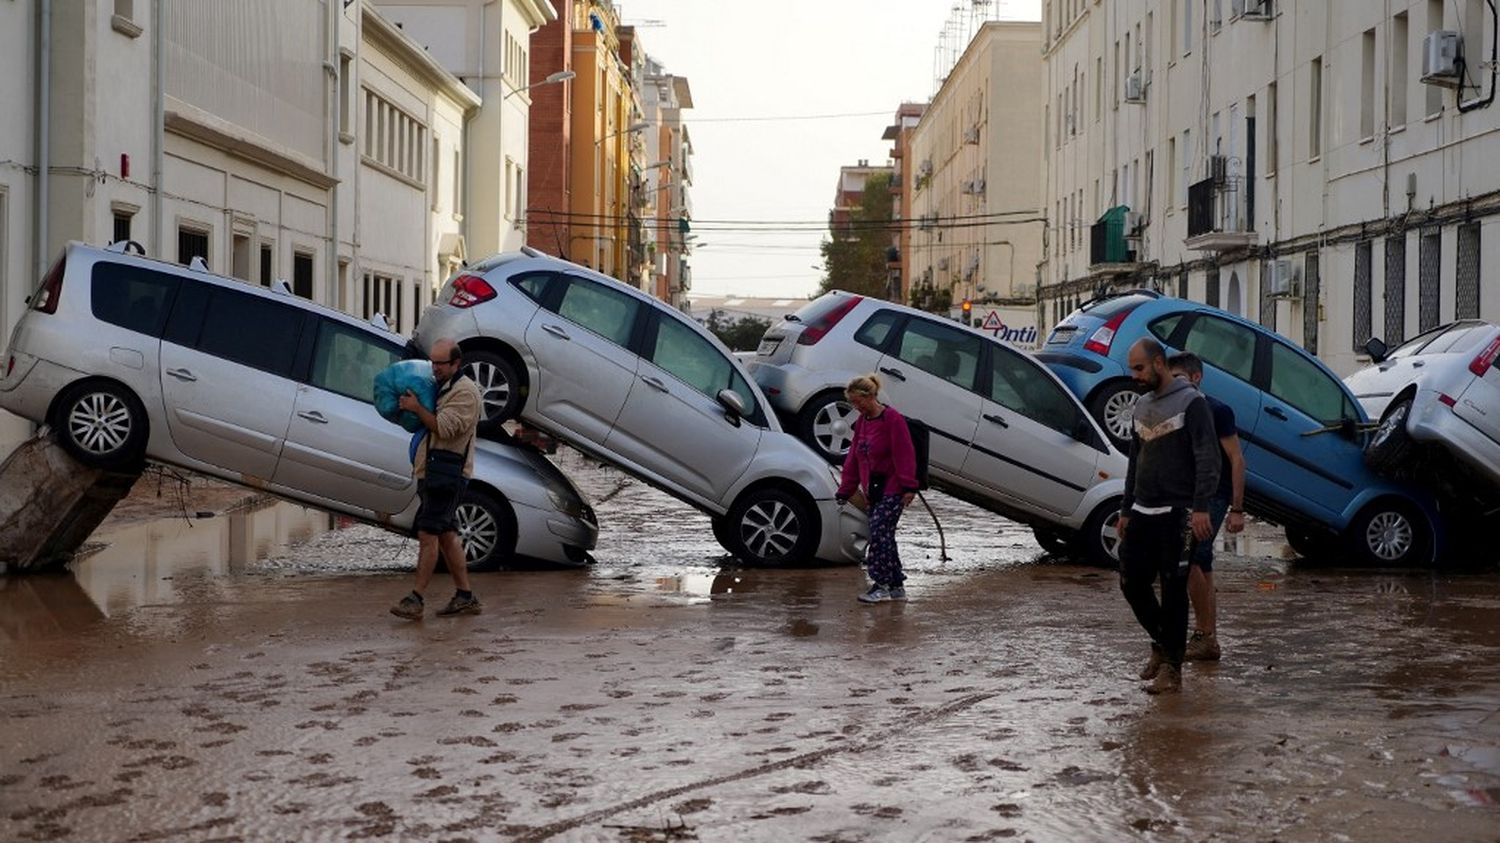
(129, 359)
(1439, 388)
(638, 384)
(1006, 434)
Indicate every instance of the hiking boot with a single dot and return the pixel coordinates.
(1168, 680)
(410, 608)
(1153, 664)
(1202, 647)
(877, 594)
(461, 606)
(897, 592)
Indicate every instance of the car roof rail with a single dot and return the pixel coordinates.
(378, 320)
(124, 247)
(280, 286)
(534, 253)
(1107, 294)
(197, 264)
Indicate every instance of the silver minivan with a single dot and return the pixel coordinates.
(636, 383)
(129, 358)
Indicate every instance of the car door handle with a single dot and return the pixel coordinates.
(313, 416)
(556, 331)
(654, 382)
(991, 417)
(182, 374)
(1276, 413)
(895, 373)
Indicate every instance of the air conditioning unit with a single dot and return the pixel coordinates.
(925, 168)
(1284, 282)
(942, 264)
(973, 186)
(1068, 124)
(971, 134)
(1251, 9)
(1135, 88)
(1442, 51)
(1133, 222)
(1218, 169)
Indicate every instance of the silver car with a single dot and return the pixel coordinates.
(129, 359)
(633, 382)
(1006, 434)
(1439, 388)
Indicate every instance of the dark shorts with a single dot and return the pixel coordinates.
(1203, 552)
(437, 513)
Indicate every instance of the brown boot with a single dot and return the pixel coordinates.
(1168, 680)
(1202, 647)
(1152, 665)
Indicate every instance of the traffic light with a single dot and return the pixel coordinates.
(968, 308)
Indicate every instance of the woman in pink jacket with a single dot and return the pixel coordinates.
(882, 463)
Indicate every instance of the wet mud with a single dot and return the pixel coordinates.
(667, 694)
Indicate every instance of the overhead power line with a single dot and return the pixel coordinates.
(693, 121)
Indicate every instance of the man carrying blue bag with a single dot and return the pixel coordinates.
(442, 464)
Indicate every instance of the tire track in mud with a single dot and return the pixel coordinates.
(805, 759)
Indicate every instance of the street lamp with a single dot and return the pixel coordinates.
(634, 127)
(552, 79)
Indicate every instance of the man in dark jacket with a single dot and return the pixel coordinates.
(1172, 476)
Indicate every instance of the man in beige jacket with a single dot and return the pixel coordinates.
(443, 465)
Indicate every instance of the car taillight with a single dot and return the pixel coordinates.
(469, 290)
(1482, 362)
(817, 330)
(1104, 336)
(1447, 400)
(46, 298)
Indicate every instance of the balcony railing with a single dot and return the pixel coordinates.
(1201, 200)
(1219, 216)
(1107, 244)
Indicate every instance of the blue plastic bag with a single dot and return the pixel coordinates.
(394, 381)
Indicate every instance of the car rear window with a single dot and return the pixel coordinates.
(132, 297)
(814, 311)
(1106, 308)
(1461, 339)
(251, 330)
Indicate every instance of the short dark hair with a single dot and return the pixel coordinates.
(1187, 361)
(1153, 349)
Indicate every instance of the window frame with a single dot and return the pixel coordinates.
(325, 323)
(896, 345)
(755, 414)
(1080, 429)
(1266, 360)
(169, 300)
(634, 340)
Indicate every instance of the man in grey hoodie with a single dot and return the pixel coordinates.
(1172, 476)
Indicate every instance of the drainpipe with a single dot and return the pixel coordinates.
(43, 136)
(158, 124)
(332, 66)
(1466, 107)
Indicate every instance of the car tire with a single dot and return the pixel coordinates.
(1310, 544)
(769, 526)
(1389, 532)
(1098, 543)
(103, 425)
(1391, 445)
(1053, 541)
(499, 385)
(1113, 406)
(486, 529)
(818, 425)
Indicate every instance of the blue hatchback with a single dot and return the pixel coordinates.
(1301, 429)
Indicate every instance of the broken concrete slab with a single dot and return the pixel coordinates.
(50, 503)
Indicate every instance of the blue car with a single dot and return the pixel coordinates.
(1302, 431)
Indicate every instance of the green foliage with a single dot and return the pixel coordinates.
(856, 261)
(741, 334)
(932, 299)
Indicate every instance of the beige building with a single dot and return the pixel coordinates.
(1283, 159)
(976, 206)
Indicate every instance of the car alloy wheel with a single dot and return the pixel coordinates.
(1390, 536)
(1109, 535)
(1119, 413)
(486, 529)
(833, 427)
(770, 529)
(100, 423)
(770, 526)
(499, 387)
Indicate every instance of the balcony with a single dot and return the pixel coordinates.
(1111, 251)
(1219, 216)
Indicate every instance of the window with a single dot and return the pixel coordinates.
(877, 329)
(1187, 167)
(122, 227)
(1272, 127)
(1171, 167)
(302, 274)
(394, 139)
(267, 263)
(1228, 346)
(520, 213)
(1367, 85)
(239, 257)
(949, 353)
(1165, 326)
(534, 284)
(608, 313)
(1434, 22)
(135, 299)
(1187, 26)
(1395, 289)
(1466, 298)
(458, 185)
(1018, 384)
(1463, 338)
(510, 188)
(191, 243)
(1363, 293)
(346, 360)
(1311, 289)
(1315, 109)
(1299, 382)
(1429, 291)
(250, 329)
(435, 175)
(1398, 70)
(690, 358)
(1098, 87)
(1416, 345)
(346, 97)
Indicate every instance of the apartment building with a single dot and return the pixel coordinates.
(1320, 167)
(667, 176)
(899, 133)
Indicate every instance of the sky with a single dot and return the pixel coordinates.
(778, 59)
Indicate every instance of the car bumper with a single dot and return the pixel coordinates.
(441, 321)
(1434, 422)
(845, 533)
(565, 541)
(789, 386)
(32, 385)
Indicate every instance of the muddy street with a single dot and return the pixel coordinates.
(238, 678)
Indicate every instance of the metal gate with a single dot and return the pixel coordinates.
(1429, 271)
(1211, 291)
(1466, 300)
(1182, 284)
(1267, 296)
(1362, 294)
(1395, 290)
(1310, 290)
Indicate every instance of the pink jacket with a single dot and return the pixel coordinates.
(881, 446)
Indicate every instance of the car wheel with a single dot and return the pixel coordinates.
(1054, 541)
(499, 384)
(1113, 406)
(827, 424)
(1390, 445)
(1309, 544)
(1099, 540)
(486, 529)
(1389, 532)
(771, 527)
(103, 425)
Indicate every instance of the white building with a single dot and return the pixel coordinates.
(1283, 159)
(976, 204)
(669, 183)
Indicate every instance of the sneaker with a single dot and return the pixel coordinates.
(877, 594)
(1168, 680)
(461, 606)
(1153, 665)
(897, 592)
(1202, 647)
(410, 608)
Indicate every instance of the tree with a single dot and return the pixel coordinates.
(856, 260)
(742, 334)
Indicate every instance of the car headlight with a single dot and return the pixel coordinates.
(566, 502)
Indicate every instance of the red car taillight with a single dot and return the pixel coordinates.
(46, 298)
(817, 330)
(469, 290)
(1482, 362)
(1104, 336)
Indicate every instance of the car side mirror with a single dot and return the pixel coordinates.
(734, 405)
(1375, 347)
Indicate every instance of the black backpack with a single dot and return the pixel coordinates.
(921, 434)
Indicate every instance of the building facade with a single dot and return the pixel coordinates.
(976, 206)
(1290, 161)
(668, 180)
(899, 133)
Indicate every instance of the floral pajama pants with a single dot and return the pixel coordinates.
(881, 558)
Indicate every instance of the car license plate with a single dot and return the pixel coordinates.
(767, 347)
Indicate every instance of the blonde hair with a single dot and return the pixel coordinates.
(864, 385)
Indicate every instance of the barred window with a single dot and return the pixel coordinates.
(1466, 300)
(1267, 300)
(1362, 295)
(1211, 292)
(393, 138)
(1310, 289)
(1182, 284)
(1395, 290)
(1429, 291)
